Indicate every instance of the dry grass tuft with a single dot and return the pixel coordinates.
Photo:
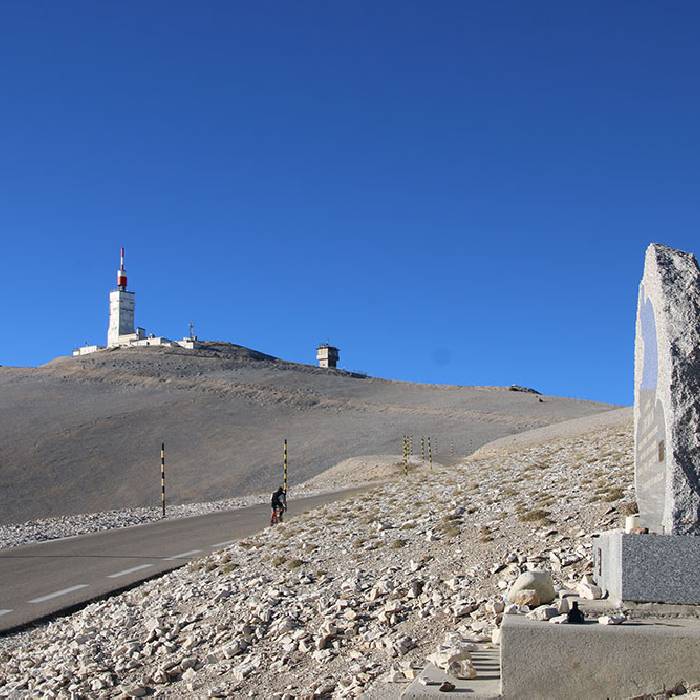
(533, 516)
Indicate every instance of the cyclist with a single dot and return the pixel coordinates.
(278, 504)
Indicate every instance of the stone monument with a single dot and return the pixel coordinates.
(664, 565)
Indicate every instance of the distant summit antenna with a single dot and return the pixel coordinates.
(121, 272)
(192, 335)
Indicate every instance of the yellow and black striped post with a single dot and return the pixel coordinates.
(430, 453)
(286, 465)
(422, 449)
(405, 455)
(162, 477)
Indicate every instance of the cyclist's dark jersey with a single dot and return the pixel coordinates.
(278, 499)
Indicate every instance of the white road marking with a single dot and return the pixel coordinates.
(56, 594)
(129, 571)
(223, 544)
(184, 554)
(4, 612)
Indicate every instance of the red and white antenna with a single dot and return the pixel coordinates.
(121, 272)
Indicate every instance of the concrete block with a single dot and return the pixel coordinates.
(648, 568)
(540, 661)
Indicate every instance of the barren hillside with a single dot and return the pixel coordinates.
(83, 434)
(350, 599)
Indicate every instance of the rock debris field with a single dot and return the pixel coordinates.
(350, 598)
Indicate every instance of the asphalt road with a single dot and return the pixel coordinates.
(44, 578)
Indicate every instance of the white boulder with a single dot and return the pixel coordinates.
(536, 579)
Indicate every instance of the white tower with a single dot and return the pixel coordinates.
(121, 310)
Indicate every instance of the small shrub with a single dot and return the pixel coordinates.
(397, 544)
(534, 516)
(628, 508)
(294, 563)
(446, 519)
(450, 531)
(614, 494)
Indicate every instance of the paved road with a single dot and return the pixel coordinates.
(40, 579)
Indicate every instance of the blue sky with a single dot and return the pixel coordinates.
(452, 192)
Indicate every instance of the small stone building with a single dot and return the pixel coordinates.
(327, 356)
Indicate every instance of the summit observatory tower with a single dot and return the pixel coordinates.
(121, 332)
(121, 309)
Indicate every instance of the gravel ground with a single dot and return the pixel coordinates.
(344, 599)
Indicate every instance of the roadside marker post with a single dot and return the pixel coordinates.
(286, 465)
(430, 453)
(422, 449)
(162, 477)
(405, 455)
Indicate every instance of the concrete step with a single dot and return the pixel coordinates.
(486, 686)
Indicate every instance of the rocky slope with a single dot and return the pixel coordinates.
(83, 434)
(348, 598)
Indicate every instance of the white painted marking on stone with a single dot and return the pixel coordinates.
(56, 594)
(223, 544)
(4, 612)
(184, 554)
(129, 571)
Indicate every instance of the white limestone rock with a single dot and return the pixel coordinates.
(543, 613)
(527, 597)
(589, 590)
(538, 580)
(611, 619)
(560, 619)
(404, 644)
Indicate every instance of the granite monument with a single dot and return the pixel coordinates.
(663, 565)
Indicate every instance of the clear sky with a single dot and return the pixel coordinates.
(452, 192)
